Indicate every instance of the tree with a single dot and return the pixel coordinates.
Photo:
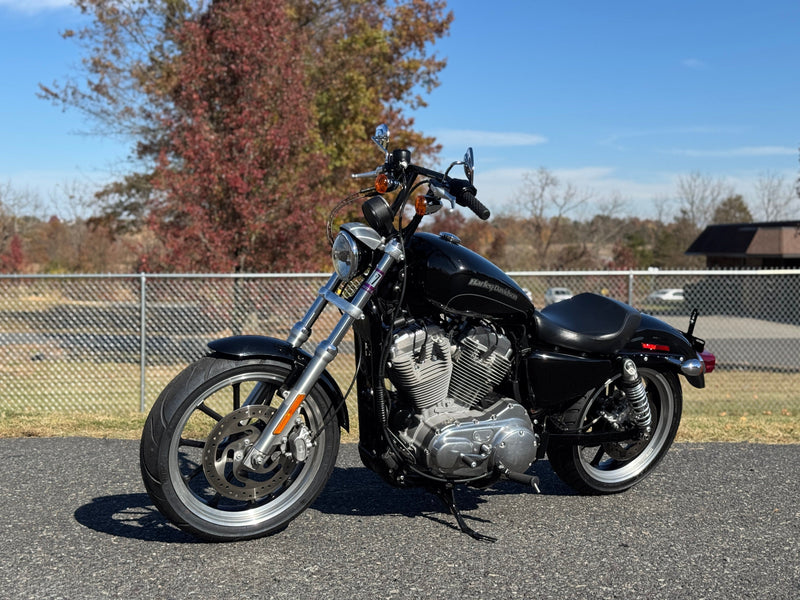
(775, 199)
(357, 63)
(545, 202)
(239, 167)
(732, 210)
(12, 260)
(699, 195)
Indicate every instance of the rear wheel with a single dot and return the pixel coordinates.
(199, 431)
(616, 466)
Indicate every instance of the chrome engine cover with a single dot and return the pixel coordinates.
(472, 443)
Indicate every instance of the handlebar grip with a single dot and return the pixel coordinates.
(471, 202)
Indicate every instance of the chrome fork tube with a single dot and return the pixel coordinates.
(302, 329)
(326, 351)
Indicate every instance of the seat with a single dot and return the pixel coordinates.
(588, 323)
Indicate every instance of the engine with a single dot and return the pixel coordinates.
(456, 425)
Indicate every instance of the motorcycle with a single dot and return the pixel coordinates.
(460, 380)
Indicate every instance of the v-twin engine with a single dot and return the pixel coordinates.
(456, 425)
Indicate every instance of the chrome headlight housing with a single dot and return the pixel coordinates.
(346, 256)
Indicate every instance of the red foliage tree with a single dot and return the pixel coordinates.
(13, 259)
(237, 177)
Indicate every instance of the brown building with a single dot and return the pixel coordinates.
(750, 245)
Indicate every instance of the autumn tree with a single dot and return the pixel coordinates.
(355, 62)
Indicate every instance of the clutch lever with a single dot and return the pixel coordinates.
(442, 194)
(368, 174)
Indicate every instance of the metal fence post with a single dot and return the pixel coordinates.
(630, 288)
(142, 338)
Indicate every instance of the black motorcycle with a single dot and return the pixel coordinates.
(459, 379)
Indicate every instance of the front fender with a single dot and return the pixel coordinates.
(242, 347)
(657, 343)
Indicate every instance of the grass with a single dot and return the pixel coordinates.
(726, 410)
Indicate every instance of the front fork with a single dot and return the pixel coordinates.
(326, 351)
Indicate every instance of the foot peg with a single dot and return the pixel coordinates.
(528, 480)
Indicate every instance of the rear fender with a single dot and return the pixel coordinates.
(655, 343)
(243, 347)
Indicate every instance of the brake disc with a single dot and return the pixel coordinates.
(226, 447)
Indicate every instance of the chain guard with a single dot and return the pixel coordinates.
(227, 445)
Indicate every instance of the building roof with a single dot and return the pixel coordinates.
(778, 239)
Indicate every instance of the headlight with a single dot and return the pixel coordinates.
(345, 256)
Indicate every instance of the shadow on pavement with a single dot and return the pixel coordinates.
(353, 491)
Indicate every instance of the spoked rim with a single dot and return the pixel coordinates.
(619, 462)
(199, 486)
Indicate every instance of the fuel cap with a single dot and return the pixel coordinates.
(450, 237)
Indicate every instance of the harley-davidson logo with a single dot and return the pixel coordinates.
(492, 287)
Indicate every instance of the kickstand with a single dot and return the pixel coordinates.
(446, 494)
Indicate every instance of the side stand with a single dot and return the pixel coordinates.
(446, 494)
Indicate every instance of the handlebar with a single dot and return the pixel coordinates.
(398, 165)
(465, 192)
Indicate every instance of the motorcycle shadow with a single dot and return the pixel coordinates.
(351, 491)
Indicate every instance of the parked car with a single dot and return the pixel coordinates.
(665, 296)
(556, 294)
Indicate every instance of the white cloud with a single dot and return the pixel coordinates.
(695, 64)
(496, 139)
(498, 188)
(737, 152)
(34, 6)
(615, 139)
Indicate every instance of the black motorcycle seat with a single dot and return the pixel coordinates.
(588, 323)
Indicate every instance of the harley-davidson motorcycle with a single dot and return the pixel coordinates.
(459, 379)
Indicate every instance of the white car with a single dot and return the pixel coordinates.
(666, 295)
(556, 294)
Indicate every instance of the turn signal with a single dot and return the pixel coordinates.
(709, 360)
(382, 183)
(421, 206)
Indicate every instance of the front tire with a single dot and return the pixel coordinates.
(616, 466)
(201, 426)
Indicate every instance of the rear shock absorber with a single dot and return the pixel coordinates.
(634, 390)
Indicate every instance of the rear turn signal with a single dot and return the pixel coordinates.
(709, 360)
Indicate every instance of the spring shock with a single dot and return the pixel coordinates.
(634, 390)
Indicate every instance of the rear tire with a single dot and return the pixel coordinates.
(617, 466)
(199, 429)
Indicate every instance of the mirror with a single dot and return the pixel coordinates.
(381, 137)
(469, 165)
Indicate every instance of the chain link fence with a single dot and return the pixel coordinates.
(110, 343)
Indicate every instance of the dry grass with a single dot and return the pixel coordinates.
(767, 429)
(726, 410)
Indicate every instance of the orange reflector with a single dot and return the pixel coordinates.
(655, 347)
(382, 183)
(287, 417)
(421, 206)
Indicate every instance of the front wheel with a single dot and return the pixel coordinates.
(616, 466)
(200, 429)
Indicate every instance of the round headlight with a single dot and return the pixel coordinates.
(345, 256)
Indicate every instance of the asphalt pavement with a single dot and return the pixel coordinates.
(713, 521)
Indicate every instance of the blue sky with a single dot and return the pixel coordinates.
(616, 97)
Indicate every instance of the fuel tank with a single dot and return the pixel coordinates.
(446, 276)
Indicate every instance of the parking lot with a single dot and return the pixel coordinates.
(713, 521)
